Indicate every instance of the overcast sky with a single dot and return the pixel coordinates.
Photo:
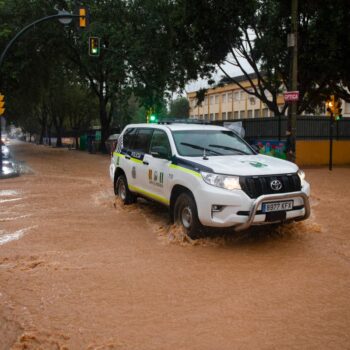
(230, 69)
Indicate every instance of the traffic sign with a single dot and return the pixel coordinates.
(291, 96)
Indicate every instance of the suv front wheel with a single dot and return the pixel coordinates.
(185, 214)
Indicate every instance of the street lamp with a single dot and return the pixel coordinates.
(65, 20)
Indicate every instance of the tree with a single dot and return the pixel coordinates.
(259, 45)
(179, 108)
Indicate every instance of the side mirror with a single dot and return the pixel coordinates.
(256, 148)
(160, 152)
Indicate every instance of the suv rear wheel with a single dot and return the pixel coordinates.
(185, 214)
(122, 190)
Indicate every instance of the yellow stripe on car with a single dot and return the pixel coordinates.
(185, 170)
(149, 194)
(118, 154)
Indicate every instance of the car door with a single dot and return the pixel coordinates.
(157, 162)
(123, 152)
(136, 154)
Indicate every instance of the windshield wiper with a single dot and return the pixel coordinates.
(200, 148)
(229, 149)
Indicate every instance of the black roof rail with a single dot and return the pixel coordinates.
(184, 121)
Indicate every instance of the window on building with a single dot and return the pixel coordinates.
(211, 100)
(237, 95)
(265, 112)
(252, 99)
(236, 115)
(230, 96)
(229, 115)
(224, 116)
(242, 114)
(217, 99)
(347, 107)
(206, 116)
(257, 113)
(212, 116)
(205, 100)
(223, 98)
(216, 116)
(250, 113)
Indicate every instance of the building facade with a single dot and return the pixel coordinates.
(230, 102)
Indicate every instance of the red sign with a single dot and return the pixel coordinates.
(291, 96)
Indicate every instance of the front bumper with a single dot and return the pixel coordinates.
(240, 211)
(283, 196)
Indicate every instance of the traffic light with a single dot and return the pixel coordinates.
(153, 118)
(2, 104)
(83, 17)
(337, 109)
(94, 46)
(330, 103)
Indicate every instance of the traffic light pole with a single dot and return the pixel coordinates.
(331, 126)
(9, 45)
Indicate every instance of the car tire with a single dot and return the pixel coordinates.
(121, 189)
(186, 215)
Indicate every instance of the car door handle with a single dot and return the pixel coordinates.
(146, 163)
(127, 157)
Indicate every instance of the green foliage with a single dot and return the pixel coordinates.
(179, 108)
(259, 36)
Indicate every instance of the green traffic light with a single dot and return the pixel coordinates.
(153, 118)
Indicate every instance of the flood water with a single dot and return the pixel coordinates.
(78, 270)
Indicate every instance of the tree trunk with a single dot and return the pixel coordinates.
(105, 124)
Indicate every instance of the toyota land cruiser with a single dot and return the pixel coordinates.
(207, 176)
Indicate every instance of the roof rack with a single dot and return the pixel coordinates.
(183, 121)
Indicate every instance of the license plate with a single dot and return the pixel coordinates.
(277, 206)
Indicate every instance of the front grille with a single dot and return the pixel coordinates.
(255, 186)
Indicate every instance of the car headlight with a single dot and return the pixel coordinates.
(223, 181)
(301, 175)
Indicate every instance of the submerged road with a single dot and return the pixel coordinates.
(78, 270)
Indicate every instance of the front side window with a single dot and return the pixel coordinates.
(160, 144)
(195, 143)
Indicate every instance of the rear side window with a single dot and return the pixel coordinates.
(142, 140)
(128, 138)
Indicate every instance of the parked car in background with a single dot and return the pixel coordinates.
(6, 154)
(112, 142)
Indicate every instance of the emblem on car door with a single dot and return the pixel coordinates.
(133, 172)
(276, 185)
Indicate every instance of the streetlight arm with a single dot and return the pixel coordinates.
(47, 18)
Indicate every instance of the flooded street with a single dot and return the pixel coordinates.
(78, 270)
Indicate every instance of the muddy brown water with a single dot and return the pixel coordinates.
(78, 270)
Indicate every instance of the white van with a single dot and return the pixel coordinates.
(207, 176)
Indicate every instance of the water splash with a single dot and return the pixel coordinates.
(8, 193)
(9, 237)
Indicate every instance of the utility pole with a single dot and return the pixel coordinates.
(294, 82)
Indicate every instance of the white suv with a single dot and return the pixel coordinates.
(207, 176)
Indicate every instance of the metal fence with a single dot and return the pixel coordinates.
(308, 127)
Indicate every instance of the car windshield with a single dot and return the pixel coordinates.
(196, 143)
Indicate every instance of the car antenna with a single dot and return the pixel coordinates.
(205, 155)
